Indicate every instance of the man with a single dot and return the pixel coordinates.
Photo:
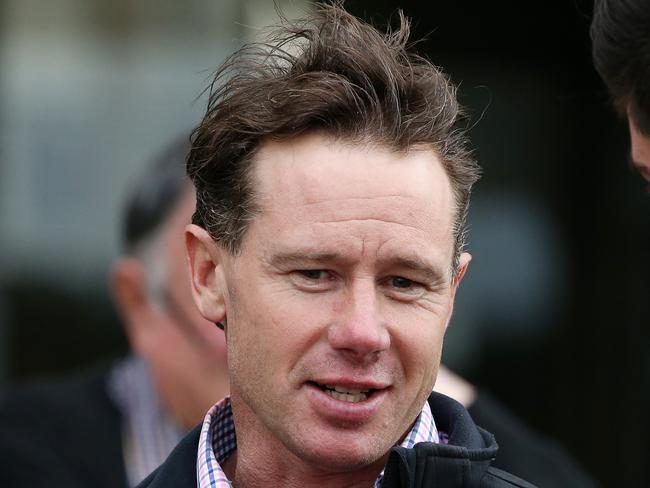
(332, 179)
(112, 426)
(620, 33)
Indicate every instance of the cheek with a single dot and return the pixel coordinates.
(424, 351)
(248, 361)
(418, 338)
(280, 330)
(258, 327)
(417, 322)
(422, 368)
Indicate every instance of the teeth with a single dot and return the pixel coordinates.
(346, 394)
(348, 397)
(340, 389)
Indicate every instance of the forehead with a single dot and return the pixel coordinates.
(316, 186)
(314, 169)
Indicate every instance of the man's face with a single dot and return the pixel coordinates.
(338, 303)
(640, 149)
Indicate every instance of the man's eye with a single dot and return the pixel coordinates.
(313, 279)
(404, 289)
(312, 274)
(403, 283)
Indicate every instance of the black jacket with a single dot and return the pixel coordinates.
(62, 433)
(464, 462)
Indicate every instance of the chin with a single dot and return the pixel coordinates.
(343, 455)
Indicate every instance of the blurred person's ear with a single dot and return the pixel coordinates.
(129, 290)
(206, 273)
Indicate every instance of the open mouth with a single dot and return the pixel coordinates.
(345, 394)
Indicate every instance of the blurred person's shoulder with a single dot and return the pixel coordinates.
(525, 452)
(63, 391)
(62, 431)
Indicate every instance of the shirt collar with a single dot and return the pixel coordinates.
(218, 441)
(148, 432)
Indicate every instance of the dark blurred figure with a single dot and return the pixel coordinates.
(620, 33)
(522, 451)
(112, 425)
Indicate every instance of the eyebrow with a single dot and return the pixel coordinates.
(286, 259)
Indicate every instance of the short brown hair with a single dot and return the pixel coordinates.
(620, 34)
(330, 73)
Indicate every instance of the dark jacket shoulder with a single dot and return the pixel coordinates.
(179, 469)
(525, 452)
(62, 432)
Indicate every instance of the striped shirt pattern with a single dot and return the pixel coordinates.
(218, 441)
(148, 433)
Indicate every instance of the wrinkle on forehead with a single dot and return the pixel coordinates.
(353, 207)
(369, 221)
(379, 219)
(321, 166)
(389, 210)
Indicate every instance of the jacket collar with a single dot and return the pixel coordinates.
(462, 462)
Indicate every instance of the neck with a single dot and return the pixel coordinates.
(263, 460)
(244, 470)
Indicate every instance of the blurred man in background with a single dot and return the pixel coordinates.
(112, 425)
(620, 33)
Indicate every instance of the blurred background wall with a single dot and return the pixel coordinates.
(553, 314)
(89, 91)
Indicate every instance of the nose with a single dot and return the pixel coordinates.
(359, 331)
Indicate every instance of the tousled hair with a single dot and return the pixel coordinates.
(329, 73)
(620, 34)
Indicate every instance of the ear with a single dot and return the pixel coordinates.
(207, 281)
(128, 288)
(463, 262)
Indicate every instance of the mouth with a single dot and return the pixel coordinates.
(345, 394)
